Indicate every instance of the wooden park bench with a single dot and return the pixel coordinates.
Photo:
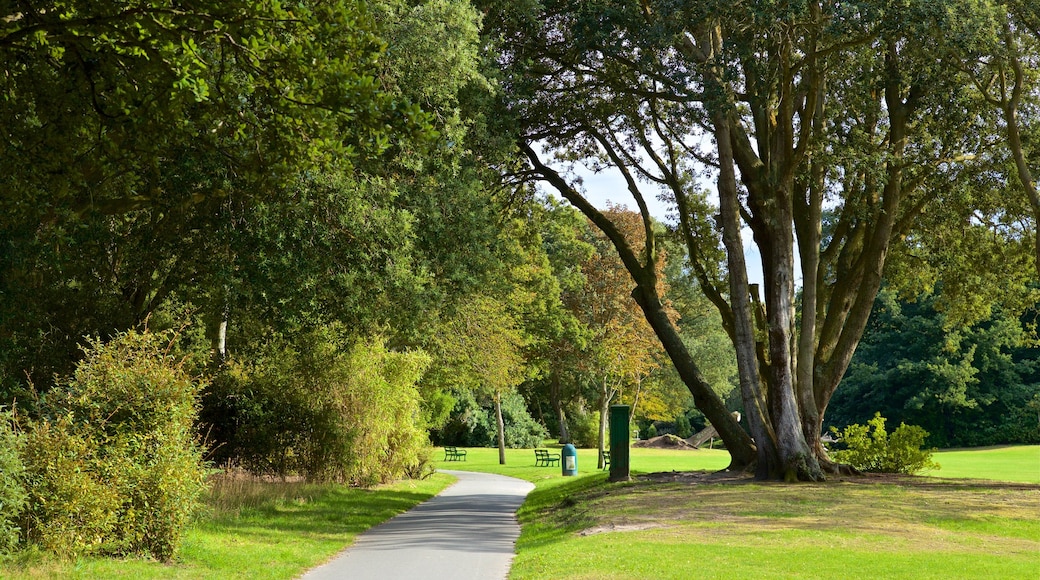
(454, 454)
(542, 458)
(606, 459)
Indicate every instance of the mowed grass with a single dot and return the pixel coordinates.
(1010, 463)
(253, 530)
(682, 525)
(653, 529)
(520, 462)
(1018, 463)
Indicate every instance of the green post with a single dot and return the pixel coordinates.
(619, 443)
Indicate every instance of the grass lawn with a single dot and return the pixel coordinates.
(681, 522)
(1010, 463)
(253, 531)
(678, 525)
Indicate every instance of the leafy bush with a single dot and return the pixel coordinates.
(870, 448)
(585, 429)
(324, 408)
(116, 467)
(12, 487)
(682, 426)
(651, 431)
(474, 424)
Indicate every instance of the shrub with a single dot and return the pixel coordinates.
(117, 468)
(585, 429)
(475, 424)
(12, 486)
(870, 448)
(651, 431)
(324, 408)
(682, 426)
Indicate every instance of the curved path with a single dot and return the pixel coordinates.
(468, 531)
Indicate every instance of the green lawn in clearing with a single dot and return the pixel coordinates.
(914, 528)
(1010, 463)
(520, 462)
(879, 527)
(265, 531)
(584, 527)
(1019, 463)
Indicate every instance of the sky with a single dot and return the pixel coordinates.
(609, 187)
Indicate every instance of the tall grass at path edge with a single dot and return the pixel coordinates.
(251, 530)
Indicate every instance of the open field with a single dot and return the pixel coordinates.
(674, 525)
(1019, 463)
(1012, 463)
(670, 525)
(712, 528)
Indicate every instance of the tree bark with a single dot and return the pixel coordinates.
(561, 417)
(767, 457)
(501, 430)
(605, 396)
(738, 443)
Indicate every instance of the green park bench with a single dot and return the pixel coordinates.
(606, 459)
(452, 453)
(542, 458)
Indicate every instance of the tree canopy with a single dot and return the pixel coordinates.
(857, 111)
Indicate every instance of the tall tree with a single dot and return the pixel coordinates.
(268, 163)
(620, 347)
(483, 345)
(558, 337)
(806, 106)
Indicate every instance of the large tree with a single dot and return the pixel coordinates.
(797, 111)
(278, 165)
(620, 349)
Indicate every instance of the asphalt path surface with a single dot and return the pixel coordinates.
(467, 532)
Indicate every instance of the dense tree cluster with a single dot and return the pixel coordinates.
(838, 134)
(334, 207)
(967, 385)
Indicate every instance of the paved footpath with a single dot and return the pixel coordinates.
(466, 532)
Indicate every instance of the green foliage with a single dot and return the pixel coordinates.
(682, 426)
(870, 448)
(323, 407)
(474, 424)
(116, 467)
(584, 429)
(12, 486)
(967, 385)
(264, 161)
(650, 432)
(71, 509)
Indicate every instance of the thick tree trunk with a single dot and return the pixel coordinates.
(797, 460)
(501, 430)
(561, 417)
(740, 446)
(808, 224)
(768, 461)
(604, 413)
(738, 443)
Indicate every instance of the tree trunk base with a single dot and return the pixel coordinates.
(832, 468)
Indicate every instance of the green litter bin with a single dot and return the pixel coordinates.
(570, 460)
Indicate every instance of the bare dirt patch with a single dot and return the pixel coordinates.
(619, 528)
(664, 442)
